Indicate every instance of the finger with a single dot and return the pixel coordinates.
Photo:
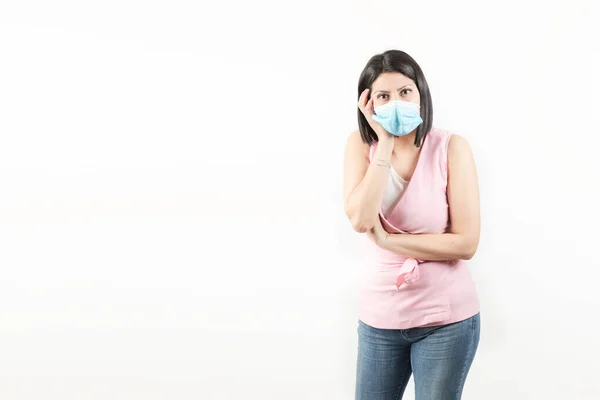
(361, 100)
(369, 107)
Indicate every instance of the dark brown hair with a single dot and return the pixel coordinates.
(395, 61)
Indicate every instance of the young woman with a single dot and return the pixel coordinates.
(412, 190)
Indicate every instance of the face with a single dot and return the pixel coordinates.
(391, 86)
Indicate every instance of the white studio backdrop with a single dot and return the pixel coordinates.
(171, 216)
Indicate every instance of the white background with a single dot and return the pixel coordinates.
(171, 218)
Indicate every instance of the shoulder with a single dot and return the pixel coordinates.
(355, 144)
(450, 141)
(453, 149)
(355, 138)
(460, 157)
(458, 146)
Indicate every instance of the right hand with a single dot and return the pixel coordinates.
(366, 107)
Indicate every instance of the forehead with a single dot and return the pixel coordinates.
(391, 81)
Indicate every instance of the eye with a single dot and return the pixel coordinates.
(379, 96)
(406, 90)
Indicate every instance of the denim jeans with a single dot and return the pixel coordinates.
(439, 356)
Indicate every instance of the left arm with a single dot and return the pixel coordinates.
(462, 240)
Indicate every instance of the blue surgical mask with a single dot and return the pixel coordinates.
(398, 117)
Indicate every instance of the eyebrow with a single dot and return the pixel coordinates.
(385, 91)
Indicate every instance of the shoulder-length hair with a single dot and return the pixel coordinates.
(395, 61)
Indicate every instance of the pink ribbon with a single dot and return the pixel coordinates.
(409, 273)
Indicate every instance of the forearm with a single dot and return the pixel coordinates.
(432, 247)
(364, 203)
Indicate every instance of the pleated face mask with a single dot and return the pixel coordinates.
(398, 117)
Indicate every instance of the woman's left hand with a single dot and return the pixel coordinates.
(378, 234)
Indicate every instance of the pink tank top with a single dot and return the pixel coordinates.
(398, 292)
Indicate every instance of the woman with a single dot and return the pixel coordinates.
(413, 190)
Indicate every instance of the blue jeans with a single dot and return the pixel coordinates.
(439, 356)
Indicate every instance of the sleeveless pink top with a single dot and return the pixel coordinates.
(398, 292)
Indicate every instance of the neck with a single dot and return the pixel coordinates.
(405, 142)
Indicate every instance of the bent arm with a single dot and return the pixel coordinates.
(364, 182)
(462, 240)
